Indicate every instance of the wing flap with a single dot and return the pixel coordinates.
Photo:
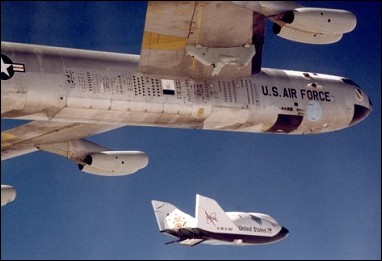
(191, 241)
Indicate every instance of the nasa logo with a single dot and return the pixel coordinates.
(211, 218)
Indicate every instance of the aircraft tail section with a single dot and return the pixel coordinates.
(211, 217)
(170, 218)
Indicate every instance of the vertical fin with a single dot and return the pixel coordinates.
(169, 217)
(211, 217)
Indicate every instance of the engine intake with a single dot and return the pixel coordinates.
(322, 20)
(314, 25)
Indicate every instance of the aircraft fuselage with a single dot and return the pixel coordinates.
(60, 84)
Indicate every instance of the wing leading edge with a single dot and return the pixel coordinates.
(66, 139)
(28, 137)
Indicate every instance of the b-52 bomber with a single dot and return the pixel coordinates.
(193, 72)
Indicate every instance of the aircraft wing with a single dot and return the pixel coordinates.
(29, 137)
(194, 236)
(201, 39)
(171, 26)
(186, 236)
(191, 241)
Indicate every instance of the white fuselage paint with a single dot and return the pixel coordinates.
(71, 85)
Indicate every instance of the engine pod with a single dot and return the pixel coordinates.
(114, 163)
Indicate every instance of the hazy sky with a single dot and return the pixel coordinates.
(326, 189)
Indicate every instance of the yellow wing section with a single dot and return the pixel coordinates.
(177, 32)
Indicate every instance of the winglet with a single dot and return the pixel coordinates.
(162, 210)
(211, 217)
(169, 217)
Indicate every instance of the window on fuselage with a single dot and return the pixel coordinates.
(348, 81)
(256, 219)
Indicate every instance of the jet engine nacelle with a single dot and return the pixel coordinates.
(314, 25)
(114, 163)
(8, 194)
